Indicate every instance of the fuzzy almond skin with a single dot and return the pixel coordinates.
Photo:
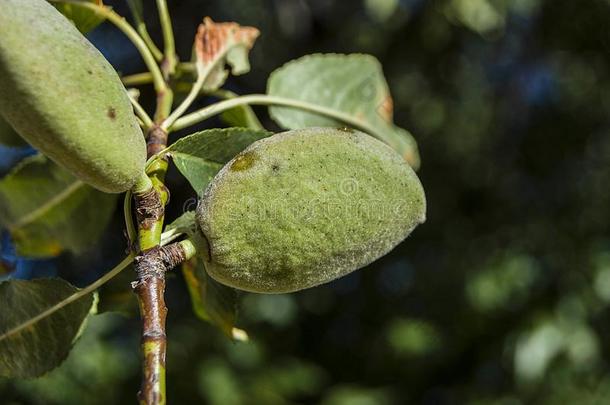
(305, 207)
(64, 98)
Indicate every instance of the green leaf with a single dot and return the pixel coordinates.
(352, 84)
(47, 210)
(212, 302)
(9, 137)
(201, 155)
(42, 346)
(83, 18)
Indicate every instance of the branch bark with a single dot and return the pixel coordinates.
(151, 264)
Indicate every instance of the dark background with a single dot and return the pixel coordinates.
(501, 297)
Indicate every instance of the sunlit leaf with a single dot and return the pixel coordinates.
(199, 156)
(47, 210)
(351, 84)
(83, 18)
(42, 346)
(212, 302)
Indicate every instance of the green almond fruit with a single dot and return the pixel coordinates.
(60, 94)
(304, 207)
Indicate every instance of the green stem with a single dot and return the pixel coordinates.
(74, 297)
(141, 27)
(181, 109)
(140, 112)
(168, 38)
(122, 24)
(227, 94)
(137, 79)
(263, 99)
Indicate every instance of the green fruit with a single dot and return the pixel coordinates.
(304, 207)
(64, 98)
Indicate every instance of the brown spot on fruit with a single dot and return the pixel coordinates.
(111, 113)
(346, 129)
(243, 161)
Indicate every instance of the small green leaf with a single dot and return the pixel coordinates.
(47, 210)
(201, 155)
(9, 137)
(83, 18)
(352, 84)
(42, 346)
(212, 301)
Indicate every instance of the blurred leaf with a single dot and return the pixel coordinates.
(352, 84)
(218, 44)
(504, 283)
(9, 137)
(47, 210)
(212, 302)
(42, 346)
(83, 18)
(478, 15)
(354, 395)
(412, 337)
(95, 363)
(201, 155)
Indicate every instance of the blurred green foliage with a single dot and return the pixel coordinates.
(501, 298)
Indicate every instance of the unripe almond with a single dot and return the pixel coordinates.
(64, 98)
(304, 207)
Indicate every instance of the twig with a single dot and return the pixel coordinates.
(169, 52)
